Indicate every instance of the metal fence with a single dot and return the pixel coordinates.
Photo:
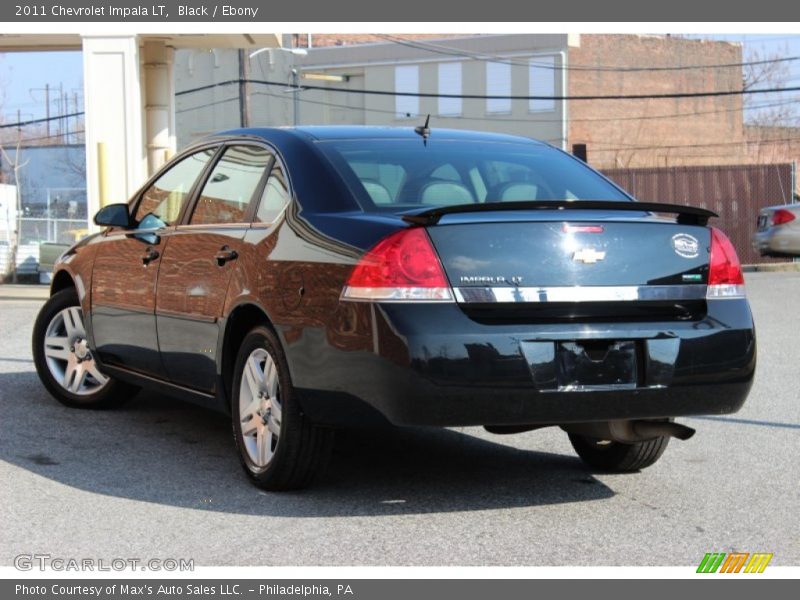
(61, 231)
(27, 259)
(735, 192)
(48, 215)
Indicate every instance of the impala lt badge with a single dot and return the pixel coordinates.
(488, 279)
(588, 256)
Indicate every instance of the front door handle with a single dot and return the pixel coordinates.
(224, 255)
(150, 256)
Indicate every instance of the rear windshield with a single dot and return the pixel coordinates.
(399, 175)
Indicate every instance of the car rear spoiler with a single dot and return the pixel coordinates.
(686, 215)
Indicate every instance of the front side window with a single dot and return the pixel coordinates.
(161, 203)
(230, 186)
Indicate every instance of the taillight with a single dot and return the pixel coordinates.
(402, 267)
(782, 216)
(725, 278)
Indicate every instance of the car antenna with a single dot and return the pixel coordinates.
(424, 130)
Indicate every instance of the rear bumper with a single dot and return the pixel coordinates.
(777, 241)
(432, 365)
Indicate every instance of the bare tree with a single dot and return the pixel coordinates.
(72, 164)
(766, 69)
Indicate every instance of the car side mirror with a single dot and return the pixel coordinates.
(113, 215)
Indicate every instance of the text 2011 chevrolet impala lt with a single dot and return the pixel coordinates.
(308, 278)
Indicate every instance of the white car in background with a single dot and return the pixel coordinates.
(778, 232)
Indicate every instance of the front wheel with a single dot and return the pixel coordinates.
(608, 455)
(278, 447)
(64, 361)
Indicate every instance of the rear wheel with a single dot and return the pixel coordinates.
(65, 362)
(279, 448)
(608, 455)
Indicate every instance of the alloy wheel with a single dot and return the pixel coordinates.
(260, 407)
(67, 353)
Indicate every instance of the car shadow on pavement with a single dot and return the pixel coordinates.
(156, 449)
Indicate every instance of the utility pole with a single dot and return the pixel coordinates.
(62, 107)
(75, 137)
(295, 93)
(47, 106)
(46, 90)
(244, 89)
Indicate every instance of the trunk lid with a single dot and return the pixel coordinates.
(578, 267)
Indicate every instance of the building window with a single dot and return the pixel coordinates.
(406, 79)
(450, 83)
(542, 82)
(498, 83)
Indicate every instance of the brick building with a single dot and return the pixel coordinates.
(656, 132)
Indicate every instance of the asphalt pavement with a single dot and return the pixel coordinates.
(160, 479)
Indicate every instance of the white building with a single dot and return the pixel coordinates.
(210, 96)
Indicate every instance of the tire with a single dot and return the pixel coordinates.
(617, 457)
(279, 448)
(65, 364)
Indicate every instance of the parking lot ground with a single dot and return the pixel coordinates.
(159, 479)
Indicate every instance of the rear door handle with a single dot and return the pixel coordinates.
(224, 255)
(150, 256)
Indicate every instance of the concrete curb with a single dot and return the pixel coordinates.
(24, 292)
(772, 268)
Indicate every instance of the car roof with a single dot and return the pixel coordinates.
(366, 132)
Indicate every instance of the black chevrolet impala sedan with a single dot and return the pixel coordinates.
(307, 279)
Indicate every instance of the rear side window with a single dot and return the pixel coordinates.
(402, 175)
(275, 196)
(161, 203)
(231, 185)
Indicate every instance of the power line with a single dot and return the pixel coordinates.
(669, 95)
(41, 120)
(14, 105)
(210, 104)
(496, 119)
(459, 53)
(500, 119)
(49, 137)
(743, 144)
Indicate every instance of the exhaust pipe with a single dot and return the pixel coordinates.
(629, 432)
(651, 429)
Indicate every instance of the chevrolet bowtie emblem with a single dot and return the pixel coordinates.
(588, 256)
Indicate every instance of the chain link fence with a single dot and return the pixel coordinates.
(56, 215)
(58, 231)
(48, 216)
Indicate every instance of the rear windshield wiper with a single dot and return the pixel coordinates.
(686, 215)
